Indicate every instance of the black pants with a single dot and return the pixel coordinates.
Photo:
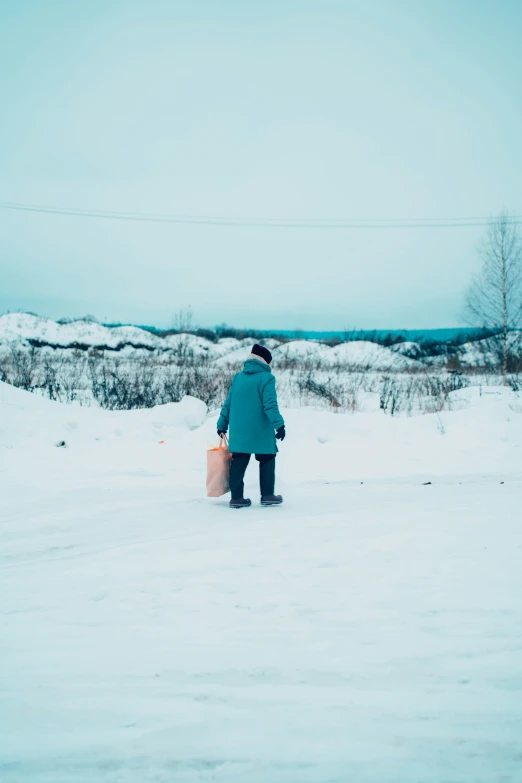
(266, 473)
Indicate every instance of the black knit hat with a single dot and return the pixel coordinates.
(264, 353)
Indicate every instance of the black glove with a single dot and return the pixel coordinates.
(281, 433)
(222, 433)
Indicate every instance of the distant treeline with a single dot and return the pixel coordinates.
(428, 338)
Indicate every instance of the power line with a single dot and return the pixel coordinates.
(329, 223)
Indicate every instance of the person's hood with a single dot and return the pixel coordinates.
(256, 365)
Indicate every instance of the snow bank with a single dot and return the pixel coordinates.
(187, 345)
(301, 350)
(226, 345)
(365, 354)
(28, 420)
(233, 354)
(22, 326)
(235, 358)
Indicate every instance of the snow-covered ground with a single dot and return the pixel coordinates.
(369, 630)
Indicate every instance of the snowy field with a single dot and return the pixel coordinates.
(369, 630)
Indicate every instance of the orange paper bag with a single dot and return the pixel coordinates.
(218, 470)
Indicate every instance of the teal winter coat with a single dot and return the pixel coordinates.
(251, 411)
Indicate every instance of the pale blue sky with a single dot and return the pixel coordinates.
(354, 109)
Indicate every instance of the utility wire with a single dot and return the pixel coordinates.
(261, 222)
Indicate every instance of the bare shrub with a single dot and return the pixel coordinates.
(142, 385)
(24, 365)
(389, 396)
(203, 382)
(182, 320)
(322, 390)
(308, 364)
(50, 382)
(426, 393)
(333, 390)
(117, 387)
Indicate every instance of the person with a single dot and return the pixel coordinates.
(252, 413)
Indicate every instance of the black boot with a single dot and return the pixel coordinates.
(271, 500)
(240, 503)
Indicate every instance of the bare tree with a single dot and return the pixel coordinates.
(182, 320)
(494, 299)
(182, 324)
